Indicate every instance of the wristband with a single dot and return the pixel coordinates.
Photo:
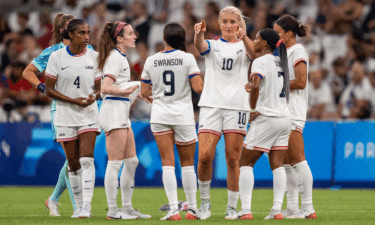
(41, 87)
(253, 110)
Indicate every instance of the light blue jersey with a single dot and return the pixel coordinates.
(40, 63)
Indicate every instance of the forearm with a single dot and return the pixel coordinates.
(112, 90)
(199, 42)
(146, 93)
(297, 85)
(60, 97)
(249, 46)
(29, 75)
(254, 93)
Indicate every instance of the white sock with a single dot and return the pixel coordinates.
(189, 182)
(246, 184)
(279, 185)
(76, 184)
(303, 170)
(111, 183)
(292, 180)
(204, 189)
(233, 198)
(127, 181)
(170, 186)
(88, 180)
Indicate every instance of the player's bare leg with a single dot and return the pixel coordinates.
(296, 155)
(233, 147)
(246, 181)
(207, 146)
(189, 178)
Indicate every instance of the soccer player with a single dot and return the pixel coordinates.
(224, 103)
(296, 166)
(118, 94)
(173, 73)
(72, 80)
(39, 64)
(269, 118)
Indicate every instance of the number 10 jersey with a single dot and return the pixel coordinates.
(170, 73)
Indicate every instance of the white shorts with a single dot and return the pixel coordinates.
(183, 134)
(298, 125)
(217, 121)
(114, 114)
(268, 133)
(71, 133)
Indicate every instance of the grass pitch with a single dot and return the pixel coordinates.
(26, 206)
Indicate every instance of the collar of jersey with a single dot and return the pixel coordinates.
(75, 55)
(223, 40)
(120, 52)
(170, 51)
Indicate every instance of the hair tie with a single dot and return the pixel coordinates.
(279, 42)
(119, 28)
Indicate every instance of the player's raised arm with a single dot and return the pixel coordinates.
(200, 29)
(241, 35)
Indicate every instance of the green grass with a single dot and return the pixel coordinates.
(26, 206)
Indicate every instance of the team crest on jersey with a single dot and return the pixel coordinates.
(89, 67)
(238, 52)
(61, 135)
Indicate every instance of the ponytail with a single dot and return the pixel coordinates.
(59, 23)
(284, 64)
(289, 23)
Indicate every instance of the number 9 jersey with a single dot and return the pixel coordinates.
(170, 73)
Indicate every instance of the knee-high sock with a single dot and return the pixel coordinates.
(303, 170)
(246, 185)
(127, 181)
(233, 198)
(111, 183)
(76, 184)
(69, 186)
(170, 186)
(189, 182)
(61, 184)
(292, 180)
(279, 185)
(88, 179)
(204, 189)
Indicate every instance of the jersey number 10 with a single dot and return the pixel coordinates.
(169, 83)
(229, 64)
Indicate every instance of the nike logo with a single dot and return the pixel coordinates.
(132, 187)
(75, 187)
(241, 127)
(126, 68)
(87, 181)
(91, 124)
(63, 68)
(216, 50)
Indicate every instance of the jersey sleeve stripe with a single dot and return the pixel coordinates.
(98, 78)
(255, 73)
(208, 50)
(111, 76)
(193, 75)
(51, 76)
(299, 60)
(146, 81)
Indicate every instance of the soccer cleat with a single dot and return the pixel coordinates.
(172, 215)
(231, 213)
(204, 211)
(274, 215)
(191, 215)
(53, 207)
(244, 216)
(119, 215)
(85, 213)
(289, 214)
(76, 213)
(137, 213)
(311, 216)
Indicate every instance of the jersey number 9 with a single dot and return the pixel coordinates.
(169, 83)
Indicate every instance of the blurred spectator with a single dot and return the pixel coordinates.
(139, 20)
(14, 80)
(23, 18)
(313, 47)
(354, 101)
(142, 51)
(372, 94)
(321, 104)
(189, 21)
(11, 54)
(4, 28)
(46, 31)
(159, 47)
(31, 49)
(100, 18)
(159, 10)
(3, 113)
(338, 78)
(212, 18)
(249, 11)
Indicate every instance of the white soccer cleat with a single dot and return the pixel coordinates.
(76, 213)
(172, 215)
(136, 213)
(300, 214)
(205, 210)
(119, 215)
(53, 207)
(231, 213)
(274, 215)
(85, 213)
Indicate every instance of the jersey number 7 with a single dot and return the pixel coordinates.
(282, 94)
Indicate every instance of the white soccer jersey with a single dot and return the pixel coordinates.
(298, 98)
(170, 73)
(117, 68)
(76, 76)
(271, 100)
(226, 76)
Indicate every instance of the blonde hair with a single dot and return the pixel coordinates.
(237, 12)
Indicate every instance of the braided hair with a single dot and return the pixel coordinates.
(72, 26)
(273, 40)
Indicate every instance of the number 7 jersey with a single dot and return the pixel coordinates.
(170, 73)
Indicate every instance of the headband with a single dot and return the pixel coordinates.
(279, 42)
(119, 28)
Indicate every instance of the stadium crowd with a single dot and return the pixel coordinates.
(340, 43)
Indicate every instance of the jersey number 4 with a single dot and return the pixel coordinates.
(282, 94)
(169, 82)
(77, 83)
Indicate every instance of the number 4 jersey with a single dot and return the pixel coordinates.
(170, 73)
(227, 67)
(75, 77)
(271, 100)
